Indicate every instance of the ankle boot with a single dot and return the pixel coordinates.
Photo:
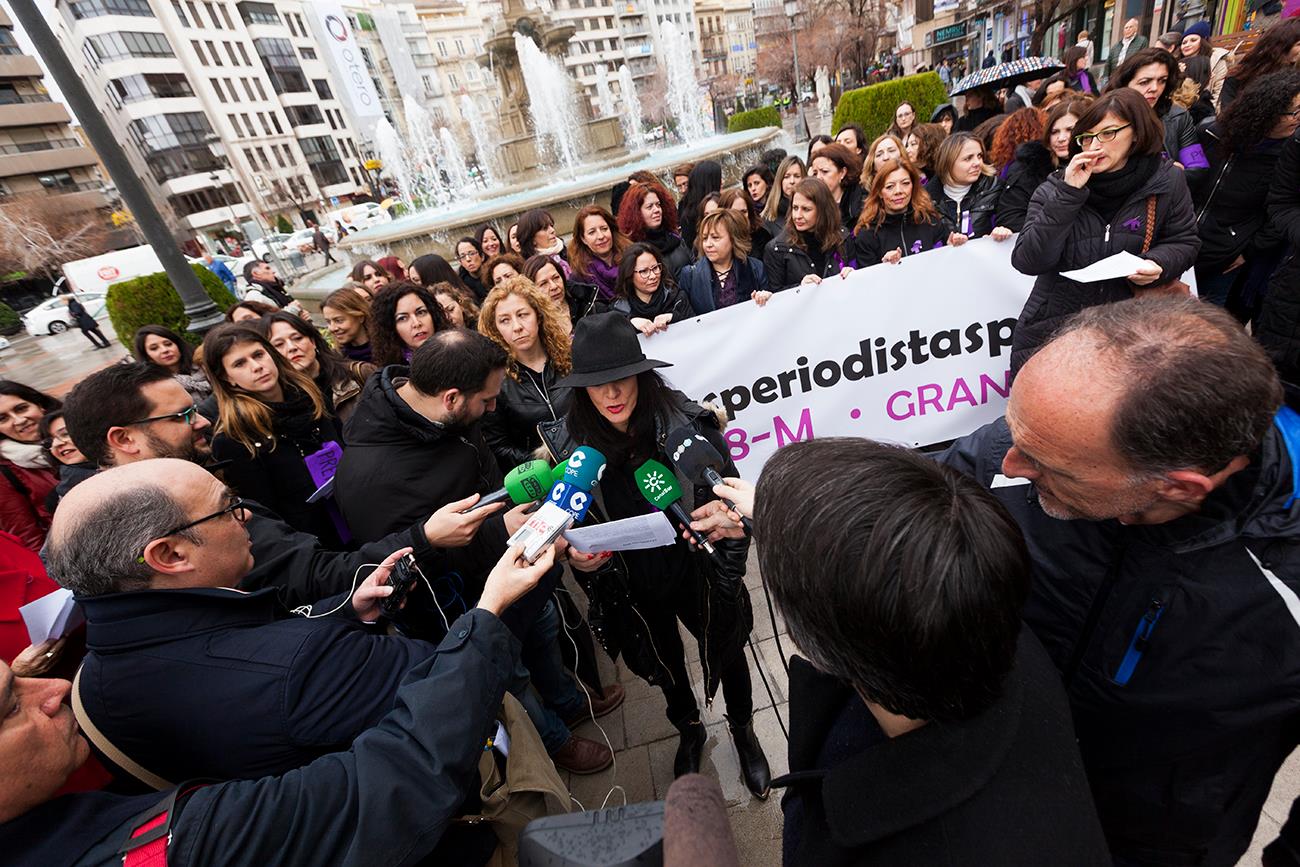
(690, 750)
(753, 763)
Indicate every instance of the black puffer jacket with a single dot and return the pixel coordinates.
(851, 202)
(524, 402)
(897, 232)
(1232, 217)
(633, 579)
(668, 298)
(675, 252)
(1032, 165)
(1279, 321)
(786, 265)
(1062, 233)
(981, 203)
(1181, 144)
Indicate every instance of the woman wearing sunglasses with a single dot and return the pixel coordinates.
(1116, 195)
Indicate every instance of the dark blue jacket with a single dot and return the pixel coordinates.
(700, 283)
(387, 800)
(217, 683)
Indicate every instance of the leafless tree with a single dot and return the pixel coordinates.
(37, 236)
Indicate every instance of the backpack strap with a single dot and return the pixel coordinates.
(107, 747)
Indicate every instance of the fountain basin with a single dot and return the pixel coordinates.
(436, 230)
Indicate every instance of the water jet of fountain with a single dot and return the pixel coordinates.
(454, 161)
(631, 108)
(393, 156)
(550, 103)
(424, 158)
(604, 98)
(484, 149)
(683, 89)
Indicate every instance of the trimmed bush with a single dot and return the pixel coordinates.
(10, 322)
(754, 119)
(151, 300)
(872, 107)
(282, 224)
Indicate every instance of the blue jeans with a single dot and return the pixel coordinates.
(540, 660)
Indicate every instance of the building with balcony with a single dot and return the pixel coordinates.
(41, 156)
(728, 46)
(226, 108)
(609, 33)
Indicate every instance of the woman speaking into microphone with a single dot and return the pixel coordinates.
(623, 409)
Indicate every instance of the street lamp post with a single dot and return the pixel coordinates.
(791, 12)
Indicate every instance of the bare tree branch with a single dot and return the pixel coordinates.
(37, 237)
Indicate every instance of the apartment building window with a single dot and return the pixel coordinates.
(212, 50)
(234, 124)
(230, 52)
(261, 91)
(221, 94)
(250, 158)
(266, 127)
(478, 46)
(127, 43)
(57, 181)
(206, 199)
(471, 72)
(180, 13)
(261, 155)
(329, 115)
(194, 15)
(153, 85)
(94, 8)
(198, 52)
(322, 88)
(225, 16)
(174, 145)
(442, 48)
(275, 122)
(248, 89)
(303, 115)
(460, 47)
(258, 13)
(455, 82)
(281, 63)
(248, 122)
(310, 53)
(212, 15)
(323, 160)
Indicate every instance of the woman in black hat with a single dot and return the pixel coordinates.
(624, 410)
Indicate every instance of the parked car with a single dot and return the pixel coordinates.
(51, 316)
(300, 241)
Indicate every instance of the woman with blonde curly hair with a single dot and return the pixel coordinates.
(522, 320)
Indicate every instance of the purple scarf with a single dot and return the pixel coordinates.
(604, 276)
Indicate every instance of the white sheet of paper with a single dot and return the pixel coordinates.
(630, 534)
(325, 490)
(1122, 264)
(52, 616)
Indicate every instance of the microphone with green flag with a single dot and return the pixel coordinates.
(526, 483)
(658, 485)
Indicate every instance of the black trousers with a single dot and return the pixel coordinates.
(92, 334)
(682, 707)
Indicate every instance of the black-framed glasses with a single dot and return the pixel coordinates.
(469, 254)
(1105, 136)
(186, 415)
(236, 505)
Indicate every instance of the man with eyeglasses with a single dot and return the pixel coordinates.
(384, 794)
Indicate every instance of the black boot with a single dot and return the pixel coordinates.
(691, 748)
(753, 763)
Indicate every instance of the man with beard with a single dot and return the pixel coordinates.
(414, 445)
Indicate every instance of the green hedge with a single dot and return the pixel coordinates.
(10, 322)
(754, 119)
(872, 108)
(151, 300)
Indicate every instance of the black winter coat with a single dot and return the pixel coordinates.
(786, 265)
(84, 320)
(1232, 217)
(1006, 787)
(851, 203)
(473, 284)
(981, 203)
(637, 578)
(1062, 233)
(1181, 144)
(1177, 642)
(1279, 321)
(897, 232)
(511, 428)
(675, 252)
(340, 806)
(668, 298)
(1032, 165)
(700, 282)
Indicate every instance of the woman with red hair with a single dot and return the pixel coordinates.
(648, 215)
(1025, 125)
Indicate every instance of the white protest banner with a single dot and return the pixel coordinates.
(913, 353)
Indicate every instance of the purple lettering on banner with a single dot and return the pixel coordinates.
(736, 443)
(758, 438)
(960, 394)
(803, 430)
(889, 406)
(922, 400)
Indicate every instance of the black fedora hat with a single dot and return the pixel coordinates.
(605, 349)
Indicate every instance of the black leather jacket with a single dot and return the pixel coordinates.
(511, 428)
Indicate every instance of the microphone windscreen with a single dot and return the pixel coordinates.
(528, 482)
(691, 453)
(585, 467)
(696, 830)
(657, 484)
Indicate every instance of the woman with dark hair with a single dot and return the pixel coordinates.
(966, 189)
(537, 238)
(512, 239)
(1035, 160)
(501, 267)
(518, 317)
(470, 258)
(573, 299)
(726, 272)
(1076, 59)
(757, 183)
(1277, 49)
(645, 294)
(760, 234)
(841, 171)
(815, 144)
(249, 311)
(72, 466)
(1023, 126)
(1116, 194)
(339, 380)
(789, 173)
(393, 266)
(904, 123)
(852, 137)
(162, 347)
(27, 478)
(1239, 247)
(981, 105)
(898, 219)
(1194, 93)
(595, 249)
(922, 147)
(623, 409)
(1154, 73)
(1196, 42)
(705, 178)
(403, 316)
(813, 245)
(431, 268)
(1052, 90)
(648, 215)
(273, 430)
(347, 318)
(457, 306)
(489, 241)
(946, 117)
(370, 275)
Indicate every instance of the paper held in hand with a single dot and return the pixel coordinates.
(630, 534)
(1122, 264)
(52, 616)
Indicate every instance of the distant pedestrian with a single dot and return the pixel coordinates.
(945, 74)
(217, 267)
(989, 60)
(321, 242)
(85, 322)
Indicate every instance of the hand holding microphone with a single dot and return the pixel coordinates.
(659, 486)
(700, 462)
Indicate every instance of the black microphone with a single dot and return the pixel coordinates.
(700, 462)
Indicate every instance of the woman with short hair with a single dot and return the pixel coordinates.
(854, 138)
(646, 293)
(725, 273)
(340, 381)
(1116, 194)
(596, 248)
(470, 257)
(403, 316)
(966, 189)
(347, 318)
(813, 245)
(898, 219)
